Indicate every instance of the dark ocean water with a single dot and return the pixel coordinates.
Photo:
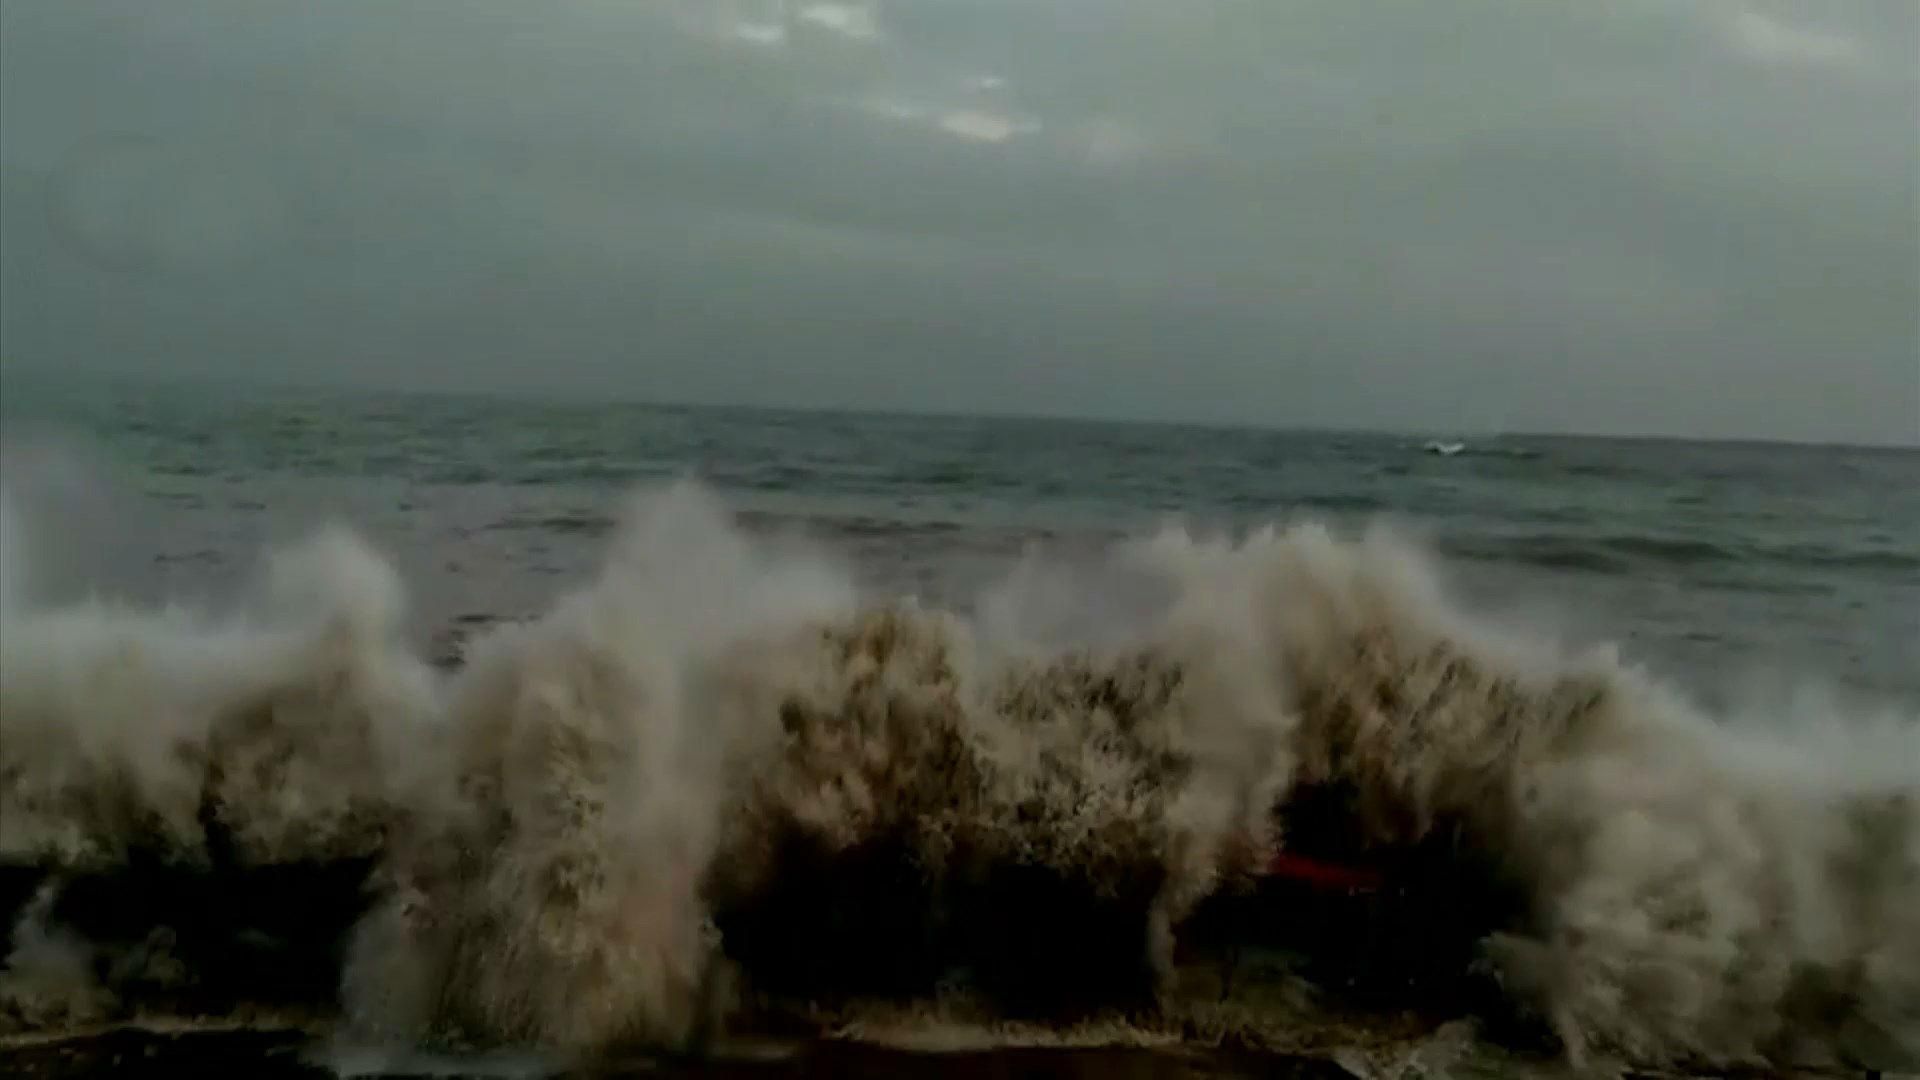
(1725, 565)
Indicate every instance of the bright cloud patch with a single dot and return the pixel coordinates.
(984, 126)
(1773, 41)
(847, 20)
(761, 33)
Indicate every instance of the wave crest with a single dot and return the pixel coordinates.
(716, 781)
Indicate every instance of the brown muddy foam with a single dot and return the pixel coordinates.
(717, 790)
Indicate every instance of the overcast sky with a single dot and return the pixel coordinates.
(1689, 217)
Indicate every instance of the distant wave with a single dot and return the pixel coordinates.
(1623, 553)
(566, 523)
(826, 524)
(855, 526)
(717, 787)
(1330, 502)
(1468, 448)
(1810, 555)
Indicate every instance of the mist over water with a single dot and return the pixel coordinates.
(1714, 565)
(722, 780)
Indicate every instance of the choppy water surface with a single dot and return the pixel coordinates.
(1712, 562)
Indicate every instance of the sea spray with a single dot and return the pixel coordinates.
(1685, 903)
(716, 780)
(135, 729)
(556, 897)
(142, 751)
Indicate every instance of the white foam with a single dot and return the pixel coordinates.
(558, 819)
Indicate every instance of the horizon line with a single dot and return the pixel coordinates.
(587, 397)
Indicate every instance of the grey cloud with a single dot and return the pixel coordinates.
(1646, 216)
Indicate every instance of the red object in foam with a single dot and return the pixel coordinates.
(1323, 875)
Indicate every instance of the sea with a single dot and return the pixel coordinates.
(349, 732)
(1732, 568)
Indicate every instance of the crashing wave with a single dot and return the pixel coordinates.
(716, 783)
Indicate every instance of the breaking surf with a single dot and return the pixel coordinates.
(1269, 790)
